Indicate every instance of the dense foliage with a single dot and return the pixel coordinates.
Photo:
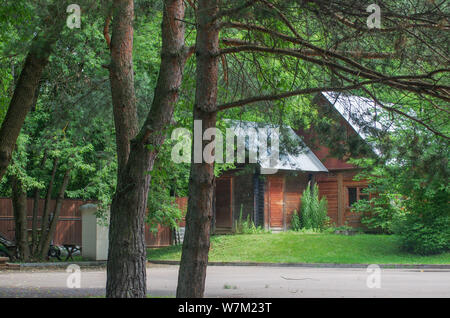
(313, 210)
(410, 191)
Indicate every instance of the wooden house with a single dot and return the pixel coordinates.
(271, 199)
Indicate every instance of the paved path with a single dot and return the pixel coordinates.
(229, 281)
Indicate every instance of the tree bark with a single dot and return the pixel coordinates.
(56, 212)
(34, 222)
(121, 77)
(19, 201)
(46, 212)
(25, 92)
(194, 259)
(126, 268)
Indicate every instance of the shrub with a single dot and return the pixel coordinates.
(313, 210)
(163, 211)
(378, 212)
(295, 222)
(416, 186)
(421, 236)
(246, 226)
(425, 227)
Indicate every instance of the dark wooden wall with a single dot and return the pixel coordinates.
(224, 203)
(243, 196)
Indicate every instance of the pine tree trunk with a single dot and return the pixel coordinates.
(121, 75)
(126, 268)
(194, 259)
(19, 201)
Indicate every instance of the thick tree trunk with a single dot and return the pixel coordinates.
(194, 259)
(19, 201)
(56, 212)
(25, 91)
(126, 269)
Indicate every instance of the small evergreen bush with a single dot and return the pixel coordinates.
(295, 222)
(313, 210)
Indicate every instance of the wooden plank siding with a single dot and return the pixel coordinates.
(334, 187)
(68, 228)
(281, 196)
(329, 189)
(294, 187)
(182, 205)
(276, 201)
(160, 239)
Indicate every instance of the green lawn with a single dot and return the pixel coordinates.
(291, 247)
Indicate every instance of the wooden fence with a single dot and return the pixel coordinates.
(68, 228)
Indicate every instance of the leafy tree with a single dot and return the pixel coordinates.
(410, 190)
(384, 205)
(55, 161)
(168, 180)
(45, 30)
(335, 51)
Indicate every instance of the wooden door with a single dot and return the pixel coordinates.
(224, 215)
(276, 213)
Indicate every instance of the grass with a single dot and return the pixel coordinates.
(292, 247)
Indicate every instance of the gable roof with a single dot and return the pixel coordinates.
(359, 112)
(364, 115)
(295, 157)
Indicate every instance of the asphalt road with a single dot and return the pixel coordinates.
(229, 281)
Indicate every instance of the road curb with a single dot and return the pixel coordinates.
(256, 264)
(315, 265)
(61, 264)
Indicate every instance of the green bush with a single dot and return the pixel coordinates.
(378, 212)
(246, 226)
(295, 222)
(313, 210)
(425, 226)
(424, 236)
(413, 193)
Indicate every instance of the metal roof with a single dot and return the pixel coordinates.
(294, 155)
(364, 115)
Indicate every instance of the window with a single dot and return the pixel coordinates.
(352, 196)
(355, 194)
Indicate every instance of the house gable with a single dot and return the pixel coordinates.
(342, 111)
